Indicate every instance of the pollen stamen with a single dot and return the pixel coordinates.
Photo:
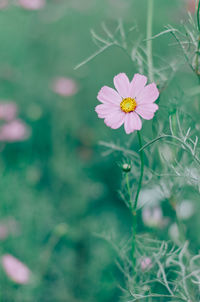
(128, 105)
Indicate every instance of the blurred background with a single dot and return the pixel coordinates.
(57, 190)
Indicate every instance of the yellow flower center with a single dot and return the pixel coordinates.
(128, 105)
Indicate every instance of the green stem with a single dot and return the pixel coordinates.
(45, 257)
(133, 240)
(150, 74)
(149, 38)
(197, 58)
(128, 188)
(59, 231)
(141, 172)
(180, 225)
(198, 45)
(198, 17)
(134, 209)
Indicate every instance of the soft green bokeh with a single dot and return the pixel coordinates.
(57, 184)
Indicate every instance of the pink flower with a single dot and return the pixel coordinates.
(152, 217)
(3, 4)
(14, 131)
(8, 111)
(15, 269)
(131, 100)
(146, 264)
(65, 86)
(32, 4)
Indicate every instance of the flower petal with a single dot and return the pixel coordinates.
(146, 111)
(115, 120)
(122, 84)
(104, 109)
(109, 95)
(15, 269)
(149, 94)
(132, 122)
(137, 85)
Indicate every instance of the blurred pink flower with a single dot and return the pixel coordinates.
(65, 86)
(14, 131)
(131, 100)
(153, 217)
(146, 264)
(3, 4)
(8, 111)
(191, 5)
(16, 270)
(32, 4)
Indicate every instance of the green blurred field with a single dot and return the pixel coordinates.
(57, 183)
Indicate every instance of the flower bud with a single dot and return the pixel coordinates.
(61, 229)
(126, 168)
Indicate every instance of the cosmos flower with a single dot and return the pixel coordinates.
(15, 270)
(32, 4)
(65, 86)
(3, 4)
(153, 217)
(8, 111)
(146, 264)
(14, 131)
(128, 102)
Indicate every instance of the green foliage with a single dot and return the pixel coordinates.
(62, 194)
